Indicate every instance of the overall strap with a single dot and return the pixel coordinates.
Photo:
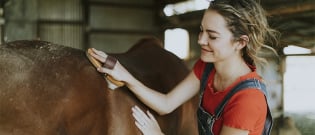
(205, 76)
(250, 83)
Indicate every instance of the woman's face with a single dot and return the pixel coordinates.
(216, 40)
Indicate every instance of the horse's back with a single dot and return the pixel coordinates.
(48, 89)
(54, 90)
(162, 71)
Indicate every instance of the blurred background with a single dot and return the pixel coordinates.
(115, 25)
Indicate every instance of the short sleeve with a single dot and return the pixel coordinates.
(246, 110)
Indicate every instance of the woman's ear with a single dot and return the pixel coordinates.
(243, 41)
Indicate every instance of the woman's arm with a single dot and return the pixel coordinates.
(159, 102)
(233, 131)
(166, 103)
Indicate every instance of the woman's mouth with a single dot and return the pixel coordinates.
(206, 50)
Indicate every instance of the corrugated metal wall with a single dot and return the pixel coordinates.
(61, 22)
(114, 26)
(111, 26)
(20, 20)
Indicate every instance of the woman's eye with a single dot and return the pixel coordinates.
(212, 37)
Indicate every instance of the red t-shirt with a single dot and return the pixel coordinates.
(245, 110)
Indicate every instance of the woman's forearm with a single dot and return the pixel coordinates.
(165, 103)
(155, 100)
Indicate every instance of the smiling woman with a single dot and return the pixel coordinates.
(232, 32)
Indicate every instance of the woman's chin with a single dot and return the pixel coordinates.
(206, 59)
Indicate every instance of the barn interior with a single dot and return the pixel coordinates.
(114, 26)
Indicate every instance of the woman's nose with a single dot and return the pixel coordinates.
(202, 39)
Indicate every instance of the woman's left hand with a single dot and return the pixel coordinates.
(147, 124)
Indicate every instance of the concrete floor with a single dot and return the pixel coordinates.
(305, 122)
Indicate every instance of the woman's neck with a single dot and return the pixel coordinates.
(228, 72)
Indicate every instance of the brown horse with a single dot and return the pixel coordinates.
(48, 89)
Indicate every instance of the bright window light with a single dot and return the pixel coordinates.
(292, 49)
(177, 42)
(184, 7)
(299, 88)
(168, 10)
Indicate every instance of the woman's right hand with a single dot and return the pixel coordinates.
(118, 72)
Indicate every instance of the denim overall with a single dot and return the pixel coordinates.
(206, 120)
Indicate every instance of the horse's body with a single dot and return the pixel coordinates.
(48, 89)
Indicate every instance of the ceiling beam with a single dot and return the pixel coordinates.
(291, 9)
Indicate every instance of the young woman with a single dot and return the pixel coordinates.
(232, 32)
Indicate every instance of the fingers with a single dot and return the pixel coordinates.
(139, 121)
(139, 126)
(99, 55)
(146, 122)
(143, 118)
(104, 70)
(99, 52)
(139, 115)
(151, 116)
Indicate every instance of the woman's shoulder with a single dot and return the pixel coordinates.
(251, 96)
(250, 93)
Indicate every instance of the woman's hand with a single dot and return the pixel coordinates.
(146, 122)
(116, 70)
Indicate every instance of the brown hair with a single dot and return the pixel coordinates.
(247, 17)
